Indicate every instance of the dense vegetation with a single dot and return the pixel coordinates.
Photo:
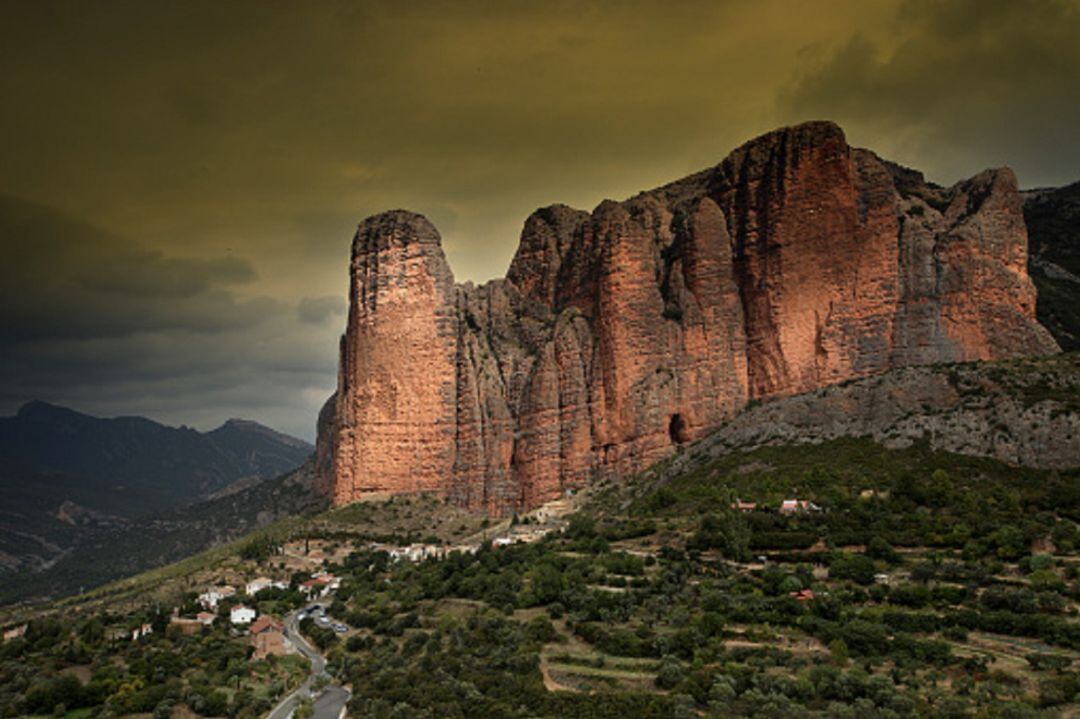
(927, 599)
(928, 585)
(92, 667)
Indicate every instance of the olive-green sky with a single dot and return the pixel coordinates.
(179, 180)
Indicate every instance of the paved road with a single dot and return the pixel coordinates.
(331, 703)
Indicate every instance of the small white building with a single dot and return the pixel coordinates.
(502, 541)
(257, 585)
(798, 506)
(14, 633)
(320, 585)
(210, 598)
(141, 631)
(328, 580)
(241, 614)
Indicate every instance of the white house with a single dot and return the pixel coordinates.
(257, 585)
(210, 598)
(241, 614)
(798, 506)
(320, 585)
(141, 631)
(14, 633)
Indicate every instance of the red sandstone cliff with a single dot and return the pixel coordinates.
(795, 263)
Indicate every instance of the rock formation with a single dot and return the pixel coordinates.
(1022, 412)
(1052, 216)
(619, 334)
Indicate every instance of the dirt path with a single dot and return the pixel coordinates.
(549, 683)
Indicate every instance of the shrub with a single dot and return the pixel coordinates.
(670, 674)
(856, 567)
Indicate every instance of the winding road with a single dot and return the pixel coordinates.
(330, 703)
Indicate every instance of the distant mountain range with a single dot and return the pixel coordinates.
(70, 481)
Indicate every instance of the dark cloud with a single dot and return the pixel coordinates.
(317, 310)
(94, 320)
(65, 279)
(220, 155)
(953, 87)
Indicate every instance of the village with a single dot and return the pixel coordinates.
(236, 601)
(299, 621)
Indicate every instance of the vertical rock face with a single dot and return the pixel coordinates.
(396, 411)
(622, 333)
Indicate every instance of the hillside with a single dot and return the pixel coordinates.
(915, 582)
(76, 488)
(1022, 412)
(107, 551)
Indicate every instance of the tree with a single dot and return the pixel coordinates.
(670, 674)
(1045, 580)
(259, 549)
(545, 584)
(541, 630)
(304, 710)
(878, 548)
(727, 531)
(856, 567)
(838, 651)
(1049, 662)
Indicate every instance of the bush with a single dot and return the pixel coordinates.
(670, 674)
(727, 532)
(540, 630)
(838, 651)
(878, 548)
(856, 567)
(1048, 662)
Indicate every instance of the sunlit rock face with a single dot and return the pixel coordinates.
(620, 334)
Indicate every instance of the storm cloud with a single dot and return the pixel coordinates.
(189, 175)
(94, 319)
(953, 86)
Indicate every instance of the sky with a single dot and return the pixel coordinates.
(180, 180)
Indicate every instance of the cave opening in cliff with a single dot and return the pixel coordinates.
(677, 429)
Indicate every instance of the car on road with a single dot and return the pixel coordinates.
(340, 628)
(322, 621)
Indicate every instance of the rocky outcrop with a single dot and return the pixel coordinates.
(396, 418)
(1021, 412)
(796, 263)
(1052, 217)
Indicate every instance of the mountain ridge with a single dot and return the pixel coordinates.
(68, 478)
